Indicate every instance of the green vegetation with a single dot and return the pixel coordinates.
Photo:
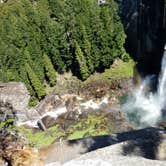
(40, 138)
(50, 71)
(7, 124)
(74, 35)
(120, 70)
(35, 82)
(116, 72)
(81, 61)
(91, 125)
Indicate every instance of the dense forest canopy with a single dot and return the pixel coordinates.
(42, 37)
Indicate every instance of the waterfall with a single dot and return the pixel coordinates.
(145, 108)
(161, 93)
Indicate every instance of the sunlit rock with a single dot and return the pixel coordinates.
(16, 94)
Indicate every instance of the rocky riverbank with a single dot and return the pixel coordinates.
(94, 109)
(72, 121)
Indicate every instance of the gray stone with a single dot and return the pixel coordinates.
(47, 121)
(16, 94)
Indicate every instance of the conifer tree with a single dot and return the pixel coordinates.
(30, 28)
(49, 69)
(87, 50)
(35, 82)
(81, 61)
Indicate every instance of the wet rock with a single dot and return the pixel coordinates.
(47, 121)
(126, 84)
(162, 123)
(67, 119)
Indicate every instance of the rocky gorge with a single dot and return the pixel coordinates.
(69, 107)
(67, 124)
(85, 123)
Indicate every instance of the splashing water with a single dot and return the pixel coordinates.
(145, 109)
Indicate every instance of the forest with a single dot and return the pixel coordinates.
(40, 38)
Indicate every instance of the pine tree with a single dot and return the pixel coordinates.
(30, 28)
(81, 61)
(35, 82)
(87, 50)
(49, 69)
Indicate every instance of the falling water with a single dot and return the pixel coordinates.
(162, 82)
(146, 108)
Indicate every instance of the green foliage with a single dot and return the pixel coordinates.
(116, 72)
(8, 124)
(33, 101)
(35, 82)
(31, 29)
(49, 69)
(40, 138)
(119, 70)
(126, 57)
(81, 61)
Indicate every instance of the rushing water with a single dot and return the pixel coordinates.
(145, 108)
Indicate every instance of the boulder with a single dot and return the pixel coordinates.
(54, 101)
(67, 119)
(47, 121)
(16, 94)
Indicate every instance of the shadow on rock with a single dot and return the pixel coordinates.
(145, 142)
(148, 143)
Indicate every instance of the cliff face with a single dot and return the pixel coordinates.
(145, 26)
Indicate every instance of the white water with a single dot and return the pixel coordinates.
(58, 111)
(33, 123)
(94, 105)
(147, 110)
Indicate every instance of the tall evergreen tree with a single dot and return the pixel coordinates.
(35, 82)
(28, 29)
(87, 50)
(49, 69)
(81, 61)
